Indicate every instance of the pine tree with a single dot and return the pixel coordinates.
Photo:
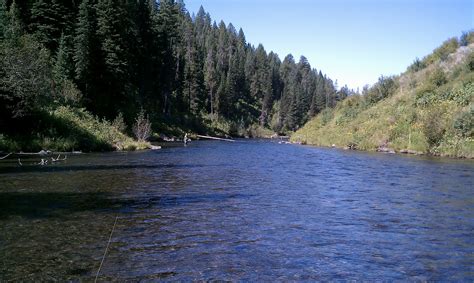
(193, 76)
(3, 18)
(330, 92)
(115, 90)
(232, 86)
(128, 55)
(111, 22)
(87, 59)
(261, 84)
(210, 79)
(144, 57)
(14, 28)
(50, 19)
(305, 75)
(202, 26)
(287, 73)
(166, 27)
(63, 68)
(220, 103)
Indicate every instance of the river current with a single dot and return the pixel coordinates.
(250, 210)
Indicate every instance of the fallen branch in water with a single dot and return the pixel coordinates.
(214, 138)
(6, 156)
(58, 158)
(43, 152)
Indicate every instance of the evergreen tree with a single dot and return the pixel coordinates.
(129, 55)
(49, 19)
(287, 73)
(111, 22)
(193, 76)
(305, 85)
(83, 41)
(261, 84)
(114, 90)
(14, 25)
(3, 18)
(63, 68)
(166, 26)
(210, 78)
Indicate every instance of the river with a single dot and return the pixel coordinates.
(250, 210)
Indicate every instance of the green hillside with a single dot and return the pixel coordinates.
(428, 109)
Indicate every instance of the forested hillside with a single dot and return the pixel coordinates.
(112, 59)
(427, 109)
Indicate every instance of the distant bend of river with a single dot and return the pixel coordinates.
(250, 210)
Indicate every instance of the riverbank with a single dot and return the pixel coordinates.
(424, 111)
(68, 129)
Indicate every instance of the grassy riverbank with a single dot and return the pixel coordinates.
(69, 128)
(428, 109)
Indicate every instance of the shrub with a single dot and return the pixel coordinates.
(463, 94)
(67, 93)
(437, 78)
(442, 52)
(383, 88)
(326, 116)
(25, 82)
(464, 123)
(119, 123)
(142, 127)
(425, 95)
(466, 38)
(470, 62)
(417, 65)
(433, 126)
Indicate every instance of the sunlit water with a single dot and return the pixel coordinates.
(252, 211)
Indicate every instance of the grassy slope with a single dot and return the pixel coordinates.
(419, 116)
(66, 129)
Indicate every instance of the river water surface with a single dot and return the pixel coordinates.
(249, 210)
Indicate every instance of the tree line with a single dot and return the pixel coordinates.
(116, 58)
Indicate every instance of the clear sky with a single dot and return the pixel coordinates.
(353, 41)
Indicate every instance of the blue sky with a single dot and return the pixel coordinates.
(352, 41)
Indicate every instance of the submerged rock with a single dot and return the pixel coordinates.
(386, 150)
(410, 151)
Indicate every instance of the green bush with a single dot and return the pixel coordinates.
(326, 116)
(466, 38)
(382, 89)
(442, 52)
(25, 83)
(463, 94)
(437, 78)
(464, 123)
(470, 62)
(433, 126)
(417, 65)
(425, 97)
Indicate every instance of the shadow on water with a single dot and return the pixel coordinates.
(59, 204)
(183, 200)
(53, 204)
(67, 168)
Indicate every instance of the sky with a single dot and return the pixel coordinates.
(352, 41)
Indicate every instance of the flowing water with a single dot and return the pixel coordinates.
(249, 210)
